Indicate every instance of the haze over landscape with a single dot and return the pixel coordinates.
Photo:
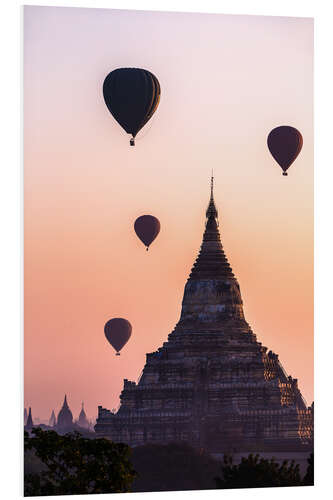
(226, 81)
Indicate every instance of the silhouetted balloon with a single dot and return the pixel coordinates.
(118, 331)
(285, 144)
(132, 96)
(147, 228)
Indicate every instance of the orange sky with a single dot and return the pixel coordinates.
(226, 81)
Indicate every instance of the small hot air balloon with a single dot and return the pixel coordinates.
(285, 144)
(147, 228)
(132, 96)
(118, 331)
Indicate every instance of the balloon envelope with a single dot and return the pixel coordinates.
(147, 228)
(132, 96)
(285, 144)
(118, 331)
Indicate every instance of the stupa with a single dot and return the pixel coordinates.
(52, 420)
(65, 416)
(29, 425)
(82, 420)
(211, 384)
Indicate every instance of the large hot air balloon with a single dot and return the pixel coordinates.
(118, 331)
(132, 96)
(147, 228)
(285, 144)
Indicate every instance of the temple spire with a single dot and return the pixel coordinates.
(211, 262)
(83, 421)
(29, 423)
(52, 420)
(65, 417)
(211, 294)
(211, 209)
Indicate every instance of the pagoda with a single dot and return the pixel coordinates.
(212, 384)
(82, 420)
(29, 425)
(65, 416)
(52, 420)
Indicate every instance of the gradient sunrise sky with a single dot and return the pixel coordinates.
(226, 81)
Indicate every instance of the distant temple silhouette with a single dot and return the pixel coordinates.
(52, 420)
(64, 423)
(83, 421)
(65, 416)
(212, 384)
(29, 425)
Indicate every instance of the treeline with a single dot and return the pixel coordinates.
(75, 464)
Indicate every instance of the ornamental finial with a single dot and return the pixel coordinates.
(211, 210)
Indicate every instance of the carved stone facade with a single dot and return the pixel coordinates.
(212, 384)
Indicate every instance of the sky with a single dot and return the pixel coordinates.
(226, 81)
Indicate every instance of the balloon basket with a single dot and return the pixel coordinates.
(132, 142)
(117, 353)
(284, 173)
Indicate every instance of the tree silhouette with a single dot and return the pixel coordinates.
(256, 472)
(173, 467)
(77, 465)
(308, 479)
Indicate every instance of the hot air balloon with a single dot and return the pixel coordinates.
(285, 144)
(118, 331)
(147, 228)
(132, 96)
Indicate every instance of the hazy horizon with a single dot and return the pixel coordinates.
(226, 81)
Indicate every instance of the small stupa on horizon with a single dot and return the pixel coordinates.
(65, 416)
(52, 420)
(29, 425)
(82, 420)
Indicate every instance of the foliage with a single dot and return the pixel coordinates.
(256, 472)
(173, 466)
(72, 464)
(77, 465)
(308, 479)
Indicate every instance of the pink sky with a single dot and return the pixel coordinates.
(226, 81)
